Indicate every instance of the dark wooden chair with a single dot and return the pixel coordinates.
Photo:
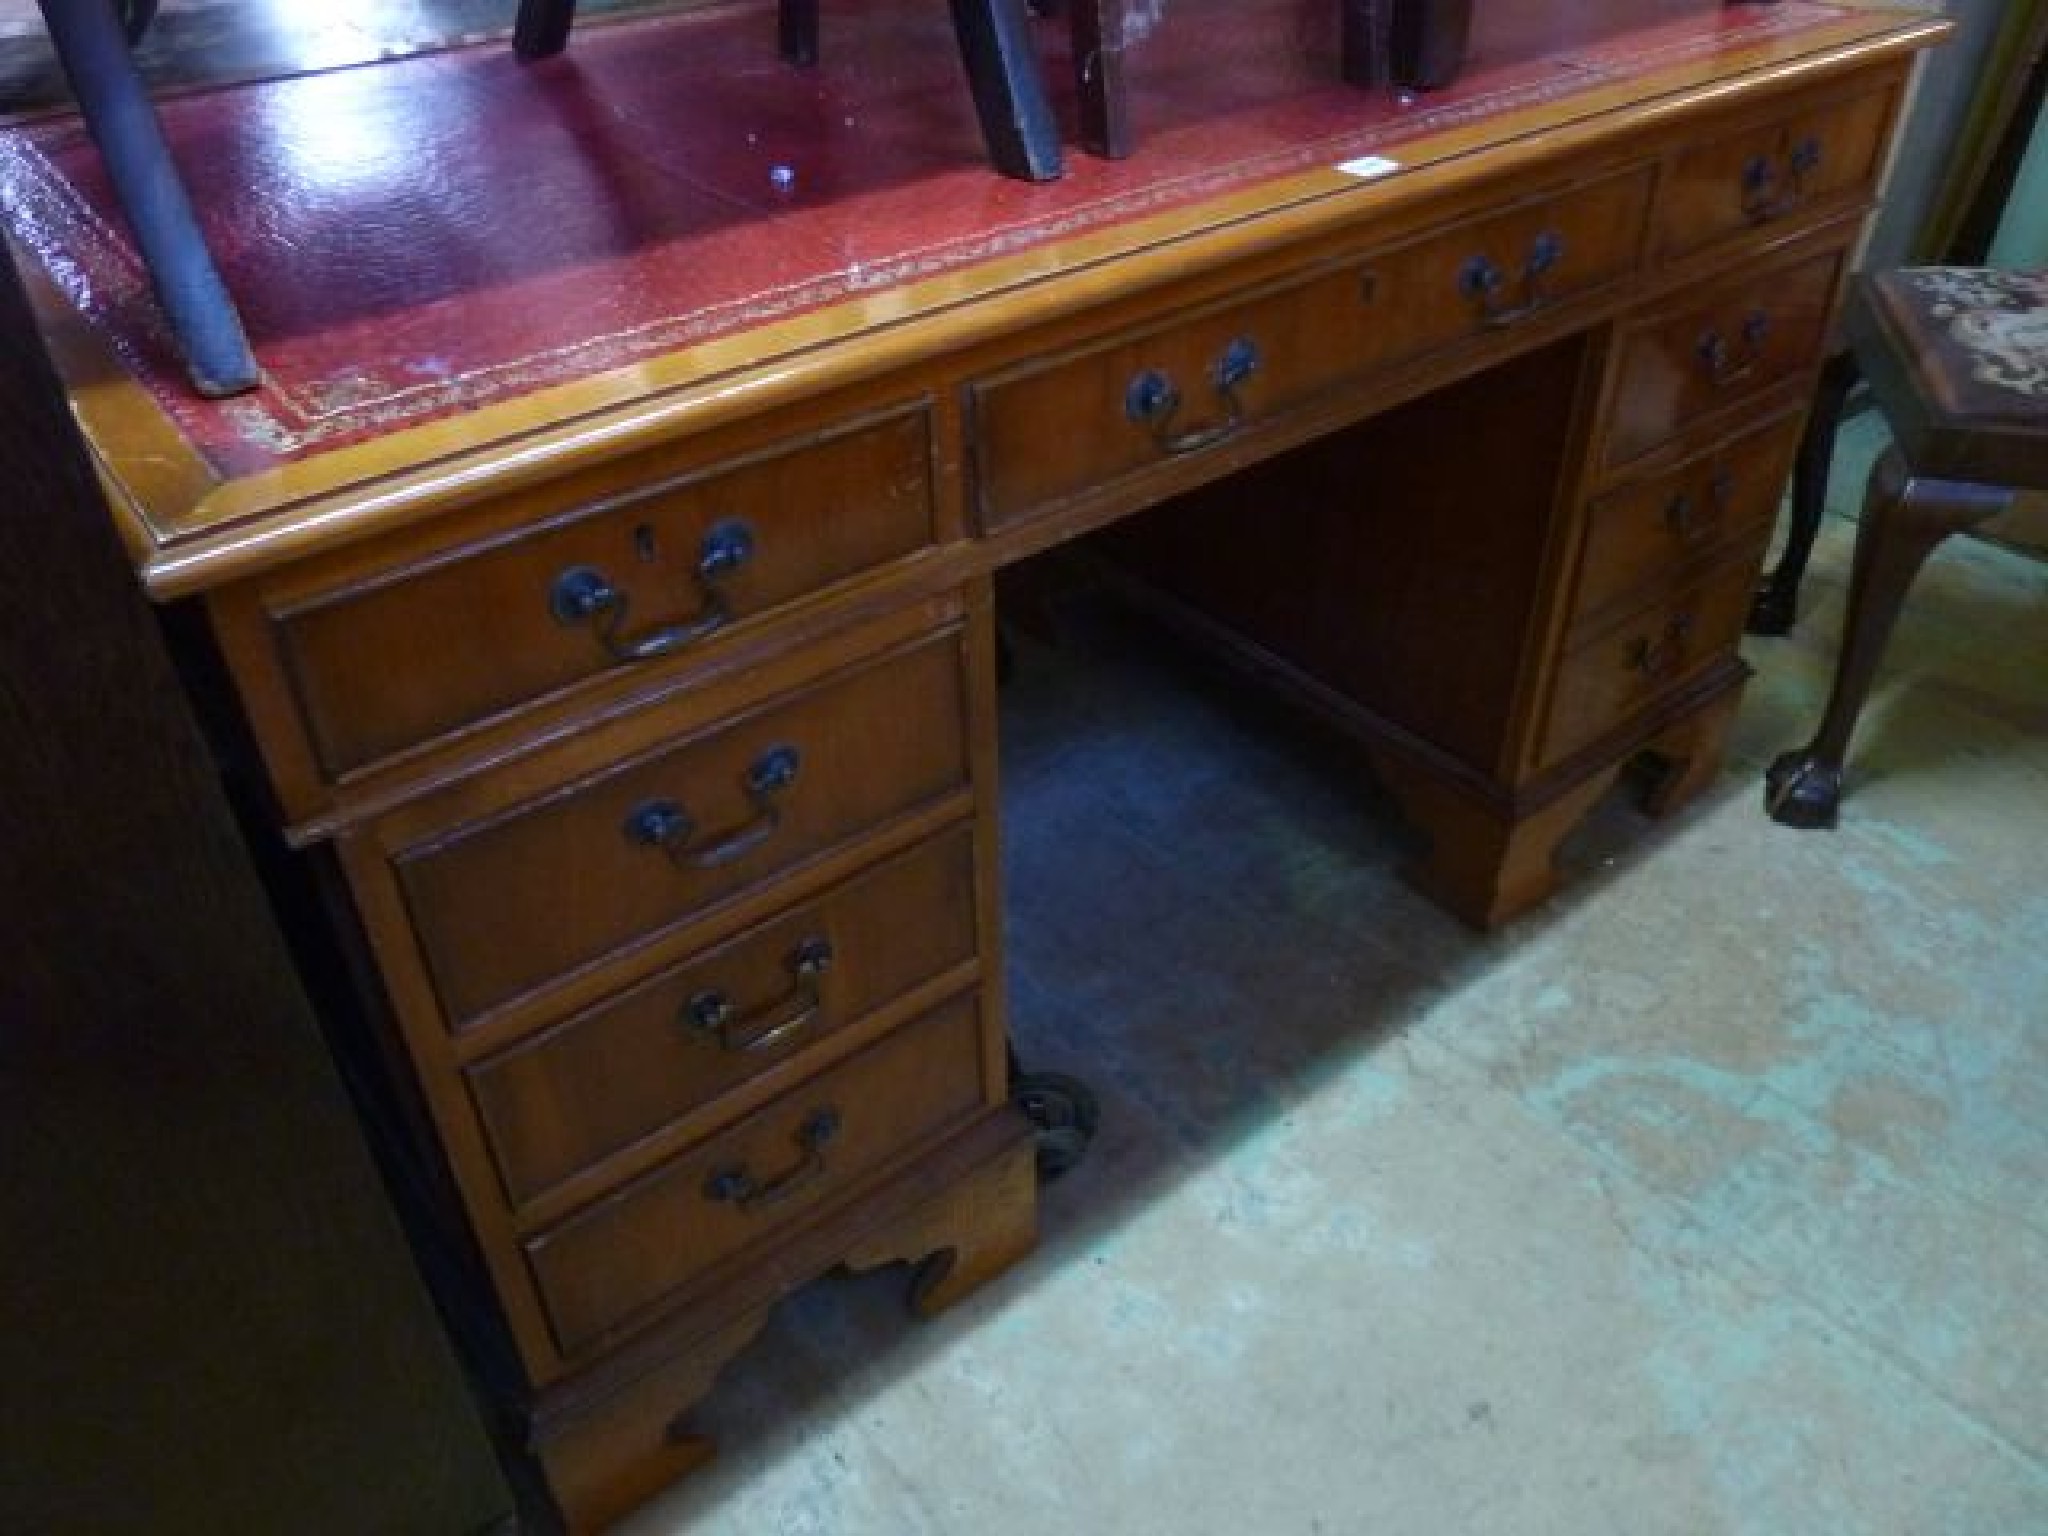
(1981, 170)
(91, 39)
(1957, 360)
(1002, 71)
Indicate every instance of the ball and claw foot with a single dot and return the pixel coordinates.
(1802, 789)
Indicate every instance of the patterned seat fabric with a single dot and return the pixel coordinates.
(1979, 338)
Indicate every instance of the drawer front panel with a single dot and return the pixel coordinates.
(615, 584)
(1638, 533)
(1807, 164)
(1627, 668)
(506, 904)
(563, 1101)
(749, 1183)
(1053, 430)
(1714, 355)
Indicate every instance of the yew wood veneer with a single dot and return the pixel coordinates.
(610, 605)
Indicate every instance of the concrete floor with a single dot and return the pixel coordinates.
(1708, 1200)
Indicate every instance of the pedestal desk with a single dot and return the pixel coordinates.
(603, 571)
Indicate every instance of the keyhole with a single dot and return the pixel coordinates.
(643, 543)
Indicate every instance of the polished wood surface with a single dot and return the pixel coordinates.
(1714, 504)
(1386, 437)
(1566, 82)
(1775, 168)
(1051, 429)
(1713, 354)
(652, 841)
(390, 658)
(558, 1103)
(749, 1183)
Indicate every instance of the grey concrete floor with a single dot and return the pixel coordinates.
(1706, 1200)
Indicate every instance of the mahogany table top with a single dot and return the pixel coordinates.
(420, 242)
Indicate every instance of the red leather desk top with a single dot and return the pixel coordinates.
(417, 238)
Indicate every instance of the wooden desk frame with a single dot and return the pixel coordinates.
(1622, 305)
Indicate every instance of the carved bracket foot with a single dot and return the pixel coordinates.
(609, 1458)
(1484, 863)
(1688, 757)
(965, 1236)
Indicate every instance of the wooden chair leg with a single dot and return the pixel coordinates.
(93, 51)
(1362, 46)
(136, 15)
(1009, 92)
(542, 29)
(796, 32)
(1097, 27)
(1904, 518)
(1776, 605)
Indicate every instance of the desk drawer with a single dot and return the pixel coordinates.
(599, 581)
(1808, 163)
(1626, 668)
(506, 903)
(1638, 533)
(753, 1181)
(1055, 428)
(562, 1101)
(1714, 354)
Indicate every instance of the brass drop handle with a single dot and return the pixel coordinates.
(713, 1012)
(1679, 511)
(1152, 400)
(1482, 282)
(1659, 658)
(1762, 199)
(736, 1186)
(664, 824)
(1724, 364)
(583, 594)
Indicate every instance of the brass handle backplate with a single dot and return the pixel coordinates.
(736, 1186)
(1661, 657)
(1153, 400)
(1775, 185)
(713, 1012)
(1725, 364)
(583, 594)
(1482, 281)
(665, 824)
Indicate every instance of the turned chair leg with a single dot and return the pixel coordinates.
(1362, 44)
(1904, 518)
(995, 45)
(796, 32)
(93, 50)
(542, 29)
(1097, 27)
(1009, 92)
(1776, 605)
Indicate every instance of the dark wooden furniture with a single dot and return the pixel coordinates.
(1957, 358)
(213, 1323)
(646, 711)
(92, 46)
(1959, 233)
(996, 49)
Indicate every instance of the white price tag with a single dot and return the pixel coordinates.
(1366, 167)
